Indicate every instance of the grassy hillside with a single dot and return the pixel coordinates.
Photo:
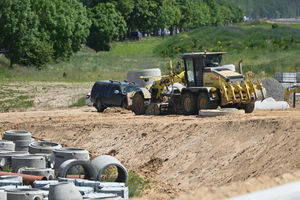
(87, 65)
(263, 50)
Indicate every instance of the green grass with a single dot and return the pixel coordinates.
(11, 99)
(79, 103)
(89, 66)
(136, 184)
(263, 50)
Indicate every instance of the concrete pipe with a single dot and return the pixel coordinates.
(134, 76)
(64, 191)
(48, 173)
(66, 167)
(63, 154)
(11, 178)
(100, 163)
(6, 144)
(43, 147)
(22, 145)
(29, 161)
(3, 195)
(24, 194)
(7, 157)
(49, 159)
(5, 151)
(13, 135)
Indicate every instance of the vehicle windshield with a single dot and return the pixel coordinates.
(129, 88)
(212, 61)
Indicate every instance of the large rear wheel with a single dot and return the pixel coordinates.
(189, 104)
(138, 106)
(203, 101)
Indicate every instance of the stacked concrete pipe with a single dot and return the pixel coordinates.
(43, 147)
(6, 157)
(22, 139)
(24, 194)
(6, 145)
(63, 154)
(46, 149)
(29, 161)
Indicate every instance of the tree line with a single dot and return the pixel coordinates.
(269, 8)
(35, 32)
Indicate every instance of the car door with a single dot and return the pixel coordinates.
(107, 95)
(117, 95)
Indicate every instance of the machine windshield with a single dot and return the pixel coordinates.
(129, 88)
(212, 61)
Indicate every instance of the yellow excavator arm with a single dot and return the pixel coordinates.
(289, 91)
(160, 82)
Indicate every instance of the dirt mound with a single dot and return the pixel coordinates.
(223, 156)
(274, 89)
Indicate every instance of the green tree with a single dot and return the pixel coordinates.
(194, 14)
(145, 15)
(65, 23)
(125, 7)
(19, 34)
(107, 25)
(170, 15)
(33, 32)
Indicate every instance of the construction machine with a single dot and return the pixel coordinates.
(291, 90)
(205, 83)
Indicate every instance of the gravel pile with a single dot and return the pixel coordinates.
(274, 88)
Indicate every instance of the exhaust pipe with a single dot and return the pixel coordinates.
(241, 67)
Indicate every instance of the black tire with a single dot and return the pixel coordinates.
(249, 108)
(138, 106)
(99, 106)
(189, 104)
(124, 104)
(203, 102)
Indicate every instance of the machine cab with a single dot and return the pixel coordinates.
(196, 64)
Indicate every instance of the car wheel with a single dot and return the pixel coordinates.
(99, 106)
(189, 104)
(138, 106)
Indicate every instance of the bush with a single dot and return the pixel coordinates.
(136, 184)
(275, 26)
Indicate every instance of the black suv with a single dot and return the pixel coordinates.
(111, 93)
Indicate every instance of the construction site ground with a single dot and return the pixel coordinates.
(184, 157)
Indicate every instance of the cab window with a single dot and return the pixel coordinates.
(190, 72)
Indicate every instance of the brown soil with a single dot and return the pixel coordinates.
(49, 95)
(185, 157)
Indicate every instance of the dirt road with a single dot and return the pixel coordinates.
(185, 157)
